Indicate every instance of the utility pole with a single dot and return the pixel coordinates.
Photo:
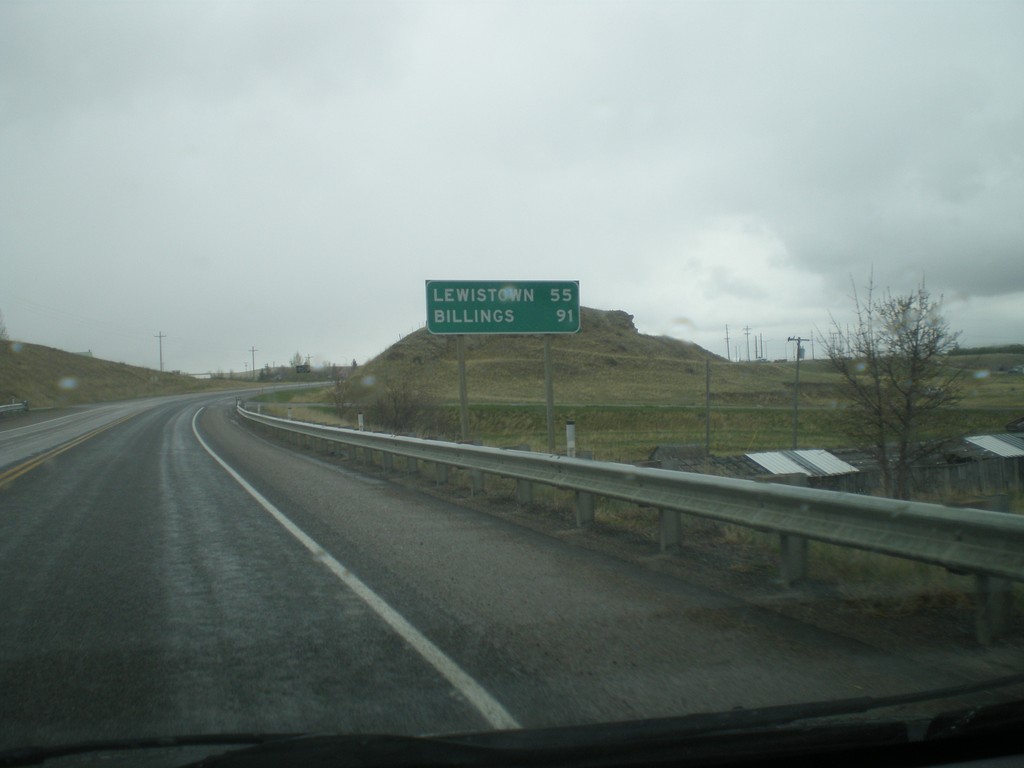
(161, 337)
(253, 352)
(796, 385)
(746, 332)
(728, 349)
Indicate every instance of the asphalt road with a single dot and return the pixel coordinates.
(149, 588)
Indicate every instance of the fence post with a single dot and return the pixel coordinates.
(441, 473)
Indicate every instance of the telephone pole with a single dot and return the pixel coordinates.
(746, 332)
(728, 349)
(253, 351)
(796, 385)
(161, 337)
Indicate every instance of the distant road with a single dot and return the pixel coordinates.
(151, 589)
(41, 431)
(37, 432)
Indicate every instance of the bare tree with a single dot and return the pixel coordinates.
(347, 392)
(4, 336)
(398, 405)
(895, 377)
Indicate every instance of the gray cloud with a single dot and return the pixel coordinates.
(288, 174)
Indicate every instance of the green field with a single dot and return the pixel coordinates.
(622, 411)
(631, 433)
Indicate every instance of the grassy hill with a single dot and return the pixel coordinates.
(591, 366)
(609, 362)
(48, 377)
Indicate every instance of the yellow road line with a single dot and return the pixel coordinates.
(9, 476)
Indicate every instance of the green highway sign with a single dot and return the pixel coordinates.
(496, 306)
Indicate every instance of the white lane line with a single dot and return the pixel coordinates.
(493, 712)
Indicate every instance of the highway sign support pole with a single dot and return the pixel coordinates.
(549, 393)
(460, 352)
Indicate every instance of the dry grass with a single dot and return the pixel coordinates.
(50, 378)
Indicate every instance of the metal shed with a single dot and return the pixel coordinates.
(816, 462)
(1008, 446)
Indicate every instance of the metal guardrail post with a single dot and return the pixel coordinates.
(792, 559)
(476, 480)
(524, 491)
(991, 607)
(792, 549)
(669, 530)
(584, 509)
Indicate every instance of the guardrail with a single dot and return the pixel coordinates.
(13, 408)
(988, 545)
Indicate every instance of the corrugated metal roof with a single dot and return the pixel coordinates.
(777, 463)
(810, 462)
(826, 463)
(1007, 446)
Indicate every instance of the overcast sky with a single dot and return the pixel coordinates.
(286, 175)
